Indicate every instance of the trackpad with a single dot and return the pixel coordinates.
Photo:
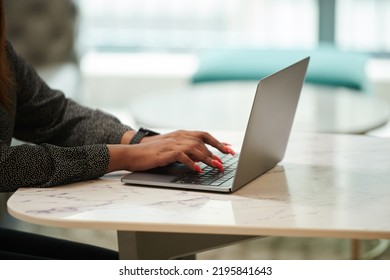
(161, 174)
(175, 169)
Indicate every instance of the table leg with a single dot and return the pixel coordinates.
(160, 245)
(356, 248)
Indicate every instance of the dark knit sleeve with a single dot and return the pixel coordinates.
(68, 140)
(44, 115)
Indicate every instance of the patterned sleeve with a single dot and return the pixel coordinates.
(48, 165)
(68, 140)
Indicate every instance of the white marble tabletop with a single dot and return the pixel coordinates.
(327, 186)
(226, 106)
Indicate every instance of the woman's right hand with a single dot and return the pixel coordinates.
(187, 147)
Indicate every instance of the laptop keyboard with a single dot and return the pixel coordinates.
(211, 176)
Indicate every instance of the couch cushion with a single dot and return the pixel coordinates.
(327, 66)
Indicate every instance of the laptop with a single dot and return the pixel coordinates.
(264, 144)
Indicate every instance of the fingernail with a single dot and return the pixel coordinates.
(226, 144)
(229, 150)
(197, 168)
(217, 158)
(218, 165)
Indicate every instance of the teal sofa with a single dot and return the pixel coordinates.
(328, 66)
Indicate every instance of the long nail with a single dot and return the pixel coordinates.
(229, 150)
(217, 158)
(197, 168)
(218, 165)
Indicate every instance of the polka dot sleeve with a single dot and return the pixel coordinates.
(48, 165)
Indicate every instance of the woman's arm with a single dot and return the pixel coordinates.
(70, 139)
(48, 165)
(44, 115)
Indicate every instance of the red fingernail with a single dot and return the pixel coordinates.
(226, 144)
(229, 150)
(217, 158)
(197, 168)
(218, 165)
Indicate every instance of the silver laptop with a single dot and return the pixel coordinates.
(264, 143)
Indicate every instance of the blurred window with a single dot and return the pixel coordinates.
(363, 25)
(197, 24)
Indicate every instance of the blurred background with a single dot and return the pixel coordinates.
(118, 50)
(112, 54)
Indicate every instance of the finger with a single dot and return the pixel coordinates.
(204, 138)
(229, 150)
(217, 159)
(199, 136)
(212, 161)
(186, 160)
(196, 148)
(212, 141)
(199, 156)
(177, 156)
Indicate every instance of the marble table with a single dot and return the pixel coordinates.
(226, 106)
(335, 186)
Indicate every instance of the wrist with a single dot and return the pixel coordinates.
(127, 136)
(117, 156)
(141, 134)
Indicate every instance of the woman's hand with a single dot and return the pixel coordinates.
(187, 147)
